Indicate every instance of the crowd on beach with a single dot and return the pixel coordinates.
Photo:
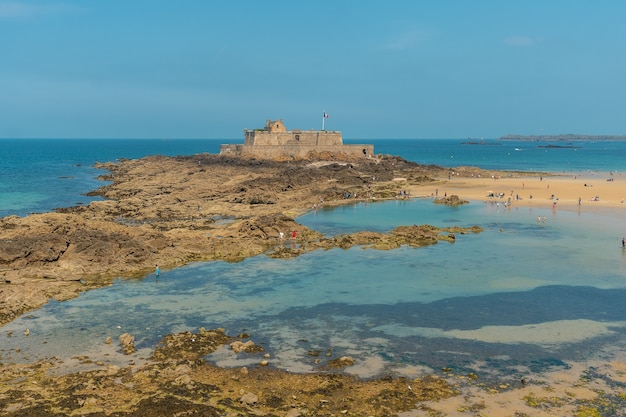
(542, 190)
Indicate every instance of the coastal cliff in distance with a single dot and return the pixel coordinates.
(570, 137)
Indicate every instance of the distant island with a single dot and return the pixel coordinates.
(479, 142)
(558, 146)
(570, 137)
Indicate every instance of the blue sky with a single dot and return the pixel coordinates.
(392, 69)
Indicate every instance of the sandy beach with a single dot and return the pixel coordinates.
(586, 191)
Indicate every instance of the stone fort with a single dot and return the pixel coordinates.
(274, 140)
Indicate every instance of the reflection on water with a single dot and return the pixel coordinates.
(521, 294)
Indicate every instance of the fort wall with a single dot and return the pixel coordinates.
(295, 151)
(293, 137)
(276, 141)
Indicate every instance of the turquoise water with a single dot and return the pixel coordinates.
(509, 155)
(520, 295)
(405, 311)
(38, 175)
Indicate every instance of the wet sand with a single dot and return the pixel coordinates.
(578, 390)
(575, 392)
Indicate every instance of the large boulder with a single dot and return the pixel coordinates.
(128, 343)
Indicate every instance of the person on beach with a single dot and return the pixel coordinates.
(293, 235)
(157, 271)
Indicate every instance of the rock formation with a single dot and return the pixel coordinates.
(174, 210)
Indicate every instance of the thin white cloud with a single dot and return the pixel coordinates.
(407, 39)
(520, 41)
(20, 10)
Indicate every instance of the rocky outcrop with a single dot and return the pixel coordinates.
(178, 381)
(172, 211)
(452, 200)
(250, 347)
(128, 343)
(415, 236)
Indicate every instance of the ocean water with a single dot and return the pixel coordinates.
(520, 297)
(509, 155)
(38, 175)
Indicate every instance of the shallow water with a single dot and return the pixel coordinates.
(522, 293)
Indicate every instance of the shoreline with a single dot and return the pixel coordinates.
(545, 189)
(163, 202)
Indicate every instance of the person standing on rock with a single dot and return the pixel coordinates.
(293, 235)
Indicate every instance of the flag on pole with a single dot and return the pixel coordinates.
(325, 115)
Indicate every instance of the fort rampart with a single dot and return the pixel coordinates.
(295, 151)
(276, 141)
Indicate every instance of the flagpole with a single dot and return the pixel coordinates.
(323, 118)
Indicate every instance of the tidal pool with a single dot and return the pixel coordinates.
(522, 296)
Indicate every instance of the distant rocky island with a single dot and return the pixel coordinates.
(559, 146)
(479, 142)
(570, 137)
